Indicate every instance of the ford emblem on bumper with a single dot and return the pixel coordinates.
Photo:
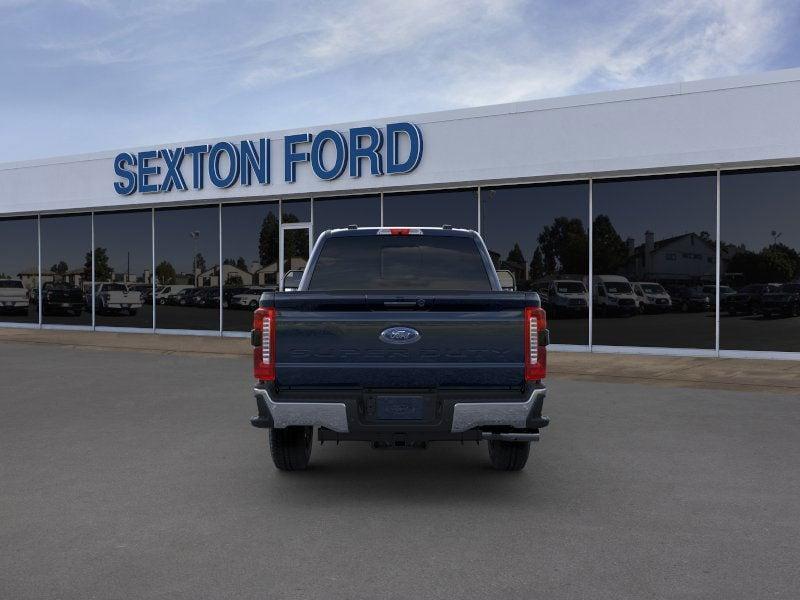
(400, 335)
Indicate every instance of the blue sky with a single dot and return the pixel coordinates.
(88, 75)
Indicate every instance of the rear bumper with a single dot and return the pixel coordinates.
(340, 413)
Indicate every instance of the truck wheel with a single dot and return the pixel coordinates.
(509, 456)
(291, 447)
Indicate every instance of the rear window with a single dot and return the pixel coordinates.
(10, 283)
(415, 262)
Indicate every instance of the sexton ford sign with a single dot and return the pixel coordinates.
(330, 153)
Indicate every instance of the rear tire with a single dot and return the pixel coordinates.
(291, 447)
(509, 456)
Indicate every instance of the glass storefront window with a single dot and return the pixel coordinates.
(333, 213)
(187, 269)
(123, 265)
(540, 233)
(458, 208)
(250, 260)
(296, 211)
(654, 261)
(760, 260)
(19, 270)
(66, 269)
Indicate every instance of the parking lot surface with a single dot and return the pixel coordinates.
(136, 475)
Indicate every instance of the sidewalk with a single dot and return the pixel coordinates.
(776, 376)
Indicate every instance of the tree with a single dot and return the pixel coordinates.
(59, 268)
(565, 246)
(102, 271)
(610, 250)
(229, 261)
(241, 263)
(199, 262)
(515, 262)
(268, 241)
(537, 269)
(775, 263)
(234, 281)
(165, 273)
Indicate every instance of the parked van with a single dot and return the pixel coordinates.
(651, 297)
(564, 297)
(613, 294)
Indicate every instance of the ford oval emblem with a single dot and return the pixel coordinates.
(400, 335)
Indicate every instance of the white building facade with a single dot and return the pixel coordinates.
(589, 185)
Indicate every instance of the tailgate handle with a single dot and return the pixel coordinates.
(404, 303)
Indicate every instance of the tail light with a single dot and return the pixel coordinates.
(536, 337)
(263, 340)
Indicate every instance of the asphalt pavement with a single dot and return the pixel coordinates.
(136, 475)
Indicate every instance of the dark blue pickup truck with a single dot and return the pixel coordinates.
(398, 337)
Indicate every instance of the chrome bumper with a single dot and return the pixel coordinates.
(468, 415)
(332, 415)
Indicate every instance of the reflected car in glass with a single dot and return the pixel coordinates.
(747, 301)
(725, 293)
(14, 297)
(689, 299)
(784, 302)
(166, 293)
(564, 298)
(207, 297)
(62, 298)
(247, 298)
(114, 298)
(651, 297)
(182, 297)
(613, 295)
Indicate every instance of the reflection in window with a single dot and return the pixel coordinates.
(250, 260)
(19, 270)
(66, 269)
(187, 268)
(296, 211)
(760, 260)
(123, 265)
(655, 231)
(333, 213)
(458, 208)
(539, 233)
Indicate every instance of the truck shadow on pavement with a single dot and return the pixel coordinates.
(356, 473)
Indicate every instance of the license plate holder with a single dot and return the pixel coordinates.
(400, 408)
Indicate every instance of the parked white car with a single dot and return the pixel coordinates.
(170, 291)
(14, 298)
(613, 294)
(248, 299)
(651, 297)
(115, 298)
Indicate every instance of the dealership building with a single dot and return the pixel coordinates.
(655, 220)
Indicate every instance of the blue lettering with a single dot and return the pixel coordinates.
(393, 132)
(290, 157)
(173, 176)
(371, 151)
(146, 170)
(213, 164)
(254, 162)
(122, 159)
(197, 153)
(317, 149)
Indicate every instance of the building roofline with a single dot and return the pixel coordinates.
(562, 102)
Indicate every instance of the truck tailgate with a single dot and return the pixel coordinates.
(465, 339)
